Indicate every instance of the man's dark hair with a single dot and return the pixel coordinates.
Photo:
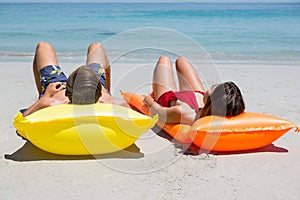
(83, 86)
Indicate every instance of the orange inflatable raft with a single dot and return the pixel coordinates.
(213, 133)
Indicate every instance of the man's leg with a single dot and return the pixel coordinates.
(96, 54)
(44, 56)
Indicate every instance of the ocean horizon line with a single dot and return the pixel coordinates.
(148, 2)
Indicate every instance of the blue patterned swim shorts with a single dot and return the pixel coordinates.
(100, 71)
(53, 73)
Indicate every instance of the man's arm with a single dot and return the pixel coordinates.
(49, 98)
(39, 104)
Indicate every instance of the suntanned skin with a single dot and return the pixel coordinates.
(55, 92)
(163, 81)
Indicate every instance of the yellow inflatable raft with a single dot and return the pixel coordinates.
(83, 129)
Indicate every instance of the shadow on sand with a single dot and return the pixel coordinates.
(192, 149)
(28, 152)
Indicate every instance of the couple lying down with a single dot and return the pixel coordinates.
(90, 83)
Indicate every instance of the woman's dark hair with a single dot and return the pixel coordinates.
(83, 86)
(225, 99)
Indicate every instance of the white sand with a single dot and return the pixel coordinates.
(155, 168)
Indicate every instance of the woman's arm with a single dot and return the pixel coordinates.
(176, 114)
(166, 115)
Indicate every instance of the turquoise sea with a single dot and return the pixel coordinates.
(231, 32)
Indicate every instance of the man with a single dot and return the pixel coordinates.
(87, 84)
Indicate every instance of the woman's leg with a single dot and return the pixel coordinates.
(163, 78)
(44, 56)
(96, 54)
(187, 76)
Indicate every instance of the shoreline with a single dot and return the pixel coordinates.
(152, 58)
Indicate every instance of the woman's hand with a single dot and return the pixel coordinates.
(153, 106)
(149, 101)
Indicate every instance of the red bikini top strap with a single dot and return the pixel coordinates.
(201, 92)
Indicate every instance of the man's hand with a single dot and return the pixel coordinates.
(51, 96)
(54, 88)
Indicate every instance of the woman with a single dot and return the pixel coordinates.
(190, 102)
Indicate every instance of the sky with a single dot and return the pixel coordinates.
(84, 1)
